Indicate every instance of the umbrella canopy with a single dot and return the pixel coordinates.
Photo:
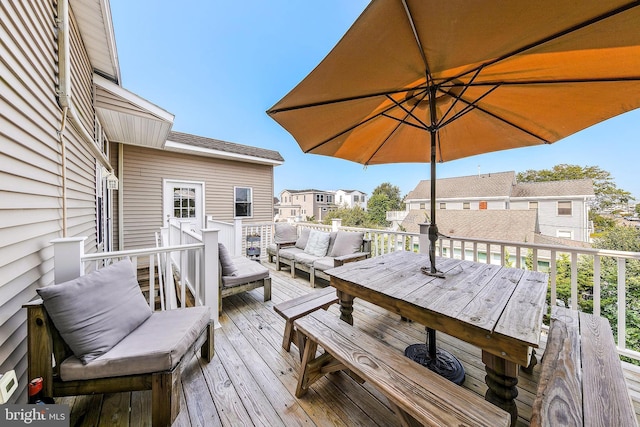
(475, 76)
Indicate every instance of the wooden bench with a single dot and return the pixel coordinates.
(415, 393)
(581, 381)
(295, 308)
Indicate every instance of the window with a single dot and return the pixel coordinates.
(466, 205)
(533, 205)
(443, 206)
(329, 198)
(423, 206)
(564, 208)
(356, 198)
(184, 202)
(565, 234)
(483, 206)
(243, 202)
(319, 197)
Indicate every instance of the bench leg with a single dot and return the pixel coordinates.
(165, 397)
(312, 277)
(207, 349)
(293, 269)
(309, 353)
(502, 380)
(288, 336)
(267, 289)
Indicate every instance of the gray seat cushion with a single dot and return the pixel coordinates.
(290, 253)
(285, 232)
(305, 258)
(347, 242)
(95, 311)
(324, 263)
(248, 271)
(156, 345)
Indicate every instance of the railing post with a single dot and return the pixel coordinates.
(67, 258)
(211, 276)
(336, 223)
(423, 238)
(237, 237)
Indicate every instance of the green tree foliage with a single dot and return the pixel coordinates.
(604, 187)
(351, 217)
(385, 197)
(377, 208)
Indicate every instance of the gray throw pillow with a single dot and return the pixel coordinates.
(347, 242)
(228, 267)
(301, 243)
(285, 233)
(317, 244)
(96, 311)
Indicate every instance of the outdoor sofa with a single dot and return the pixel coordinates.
(315, 251)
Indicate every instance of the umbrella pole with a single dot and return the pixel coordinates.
(433, 228)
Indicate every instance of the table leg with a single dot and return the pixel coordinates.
(346, 307)
(502, 380)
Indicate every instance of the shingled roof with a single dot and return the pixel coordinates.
(216, 145)
(506, 225)
(574, 187)
(474, 186)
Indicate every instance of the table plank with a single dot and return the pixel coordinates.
(522, 317)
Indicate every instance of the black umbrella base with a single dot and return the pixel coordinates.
(445, 364)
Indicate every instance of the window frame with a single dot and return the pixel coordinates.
(561, 211)
(236, 202)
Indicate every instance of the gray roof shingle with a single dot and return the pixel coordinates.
(506, 225)
(484, 185)
(228, 147)
(574, 187)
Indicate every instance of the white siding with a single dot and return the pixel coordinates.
(145, 168)
(30, 175)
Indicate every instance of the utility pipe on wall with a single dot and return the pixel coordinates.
(64, 100)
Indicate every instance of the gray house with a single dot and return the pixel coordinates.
(82, 156)
(562, 207)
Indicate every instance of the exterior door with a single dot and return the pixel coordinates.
(184, 201)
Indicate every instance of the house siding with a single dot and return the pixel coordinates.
(144, 170)
(31, 183)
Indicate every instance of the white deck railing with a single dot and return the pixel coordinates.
(558, 261)
(195, 262)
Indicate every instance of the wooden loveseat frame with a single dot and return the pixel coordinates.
(44, 340)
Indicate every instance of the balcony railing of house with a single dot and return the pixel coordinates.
(604, 292)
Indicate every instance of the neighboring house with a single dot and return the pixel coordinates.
(350, 199)
(83, 157)
(562, 206)
(298, 205)
(188, 178)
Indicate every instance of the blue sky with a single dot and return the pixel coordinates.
(219, 65)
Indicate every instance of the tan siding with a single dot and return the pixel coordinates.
(81, 79)
(115, 223)
(145, 169)
(30, 175)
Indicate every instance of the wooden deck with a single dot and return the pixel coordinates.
(252, 380)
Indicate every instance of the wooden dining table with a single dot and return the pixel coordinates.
(495, 308)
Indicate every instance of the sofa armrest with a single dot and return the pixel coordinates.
(358, 256)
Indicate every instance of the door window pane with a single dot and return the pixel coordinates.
(184, 202)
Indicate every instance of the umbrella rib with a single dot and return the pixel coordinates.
(417, 39)
(339, 100)
(557, 35)
(382, 113)
(564, 81)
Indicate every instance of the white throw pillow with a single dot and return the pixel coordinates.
(317, 244)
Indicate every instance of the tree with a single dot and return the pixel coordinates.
(351, 217)
(604, 187)
(393, 194)
(385, 197)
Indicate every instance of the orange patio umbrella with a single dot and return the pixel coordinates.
(438, 80)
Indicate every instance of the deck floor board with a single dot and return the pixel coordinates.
(252, 380)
